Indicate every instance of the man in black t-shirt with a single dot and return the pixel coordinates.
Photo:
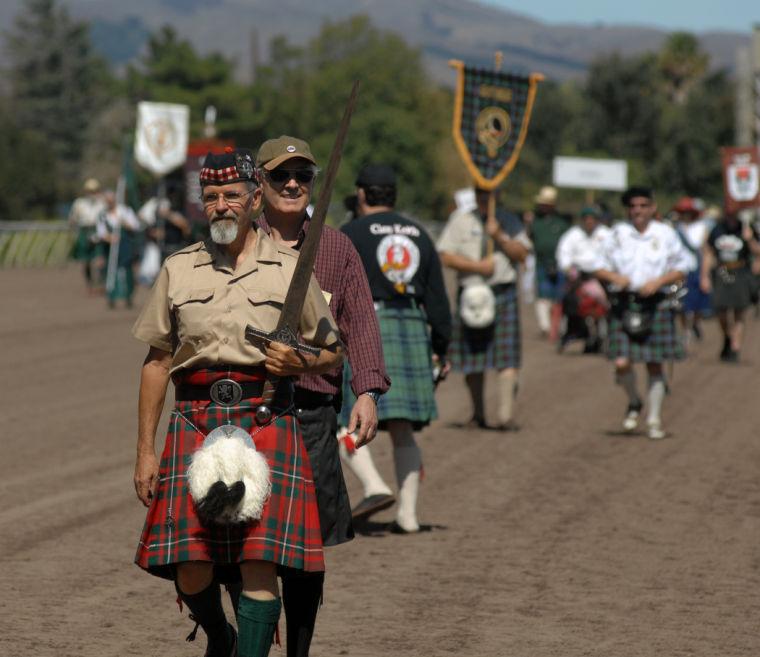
(406, 282)
(726, 273)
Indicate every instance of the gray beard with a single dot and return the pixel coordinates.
(224, 231)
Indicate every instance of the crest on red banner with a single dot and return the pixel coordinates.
(741, 178)
(491, 116)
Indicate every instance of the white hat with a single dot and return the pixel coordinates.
(546, 196)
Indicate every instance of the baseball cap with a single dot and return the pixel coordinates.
(273, 152)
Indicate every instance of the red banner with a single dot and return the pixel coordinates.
(741, 178)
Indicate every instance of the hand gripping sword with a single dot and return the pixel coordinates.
(290, 316)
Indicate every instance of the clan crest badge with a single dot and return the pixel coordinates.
(491, 115)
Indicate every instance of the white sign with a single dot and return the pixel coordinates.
(743, 181)
(590, 173)
(162, 134)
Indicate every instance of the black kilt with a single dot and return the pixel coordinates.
(732, 289)
(319, 426)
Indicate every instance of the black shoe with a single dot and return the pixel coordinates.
(731, 357)
(371, 505)
(696, 331)
(725, 353)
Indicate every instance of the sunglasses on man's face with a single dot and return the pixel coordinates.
(302, 176)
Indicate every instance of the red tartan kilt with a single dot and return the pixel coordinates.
(288, 532)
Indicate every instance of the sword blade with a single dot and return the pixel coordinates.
(299, 284)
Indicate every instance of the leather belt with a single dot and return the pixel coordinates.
(397, 302)
(227, 392)
(736, 264)
(310, 399)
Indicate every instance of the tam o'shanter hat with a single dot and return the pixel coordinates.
(234, 165)
(273, 152)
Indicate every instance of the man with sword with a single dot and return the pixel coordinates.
(287, 171)
(194, 323)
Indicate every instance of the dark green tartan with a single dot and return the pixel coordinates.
(408, 361)
(662, 344)
(495, 347)
(473, 104)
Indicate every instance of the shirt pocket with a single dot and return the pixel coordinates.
(266, 307)
(193, 310)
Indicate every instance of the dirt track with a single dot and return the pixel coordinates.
(562, 540)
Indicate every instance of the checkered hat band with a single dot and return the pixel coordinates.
(228, 174)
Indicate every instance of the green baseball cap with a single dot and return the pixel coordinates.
(273, 152)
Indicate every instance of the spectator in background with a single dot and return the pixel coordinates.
(116, 227)
(84, 219)
(545, 232)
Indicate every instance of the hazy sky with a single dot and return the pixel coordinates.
(697, 15)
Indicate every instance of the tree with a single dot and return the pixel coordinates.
(682, 65)
(57, 82)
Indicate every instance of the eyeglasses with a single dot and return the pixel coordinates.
(230, 198)
(302, 176)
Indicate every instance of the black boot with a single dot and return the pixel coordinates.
(207, 611)
(301, 597)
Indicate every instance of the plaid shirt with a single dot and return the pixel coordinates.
(340, 273)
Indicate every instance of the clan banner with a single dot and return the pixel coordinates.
(741, 178)
(491, 116)
(162, 134)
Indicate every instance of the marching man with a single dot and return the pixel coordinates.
(640, 260)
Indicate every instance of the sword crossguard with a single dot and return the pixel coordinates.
(283, 335)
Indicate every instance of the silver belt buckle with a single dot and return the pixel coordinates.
(226, 392)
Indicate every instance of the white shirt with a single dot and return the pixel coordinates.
(640, 257)
(111, 220)
(85, 211)
(578, 249)
(464, 234)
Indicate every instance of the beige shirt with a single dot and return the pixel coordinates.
(464, 235)
(200, 305)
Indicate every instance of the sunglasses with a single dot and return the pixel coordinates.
(302, 176)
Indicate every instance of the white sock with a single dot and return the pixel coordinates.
(655, 398)
(362, 465)
(507, 387)
(408, 459)
(544, 314)
(627, 380)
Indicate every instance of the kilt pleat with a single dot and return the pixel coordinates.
(494, 347)
(408, 361)
(662, 344)
(288, 533)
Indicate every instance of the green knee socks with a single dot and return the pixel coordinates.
(257, 620)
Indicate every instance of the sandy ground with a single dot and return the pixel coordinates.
(565, 539)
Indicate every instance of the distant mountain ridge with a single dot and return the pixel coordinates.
(443, 29)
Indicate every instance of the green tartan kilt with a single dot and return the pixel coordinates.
(408, 361)
(495, 347)
(84, 248)
(662, 344)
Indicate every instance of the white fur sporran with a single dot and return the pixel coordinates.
(228, 478)
(477, 306)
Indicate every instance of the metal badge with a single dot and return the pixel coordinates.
(244, 166)
(226, 392)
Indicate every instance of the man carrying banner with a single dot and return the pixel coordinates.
(253, 520)
(640, 260)
(489, 337)
(287, 171)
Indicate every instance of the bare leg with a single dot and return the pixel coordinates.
(737, 330)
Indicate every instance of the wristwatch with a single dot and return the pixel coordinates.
(373, 394)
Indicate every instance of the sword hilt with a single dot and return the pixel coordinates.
(285, 336)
